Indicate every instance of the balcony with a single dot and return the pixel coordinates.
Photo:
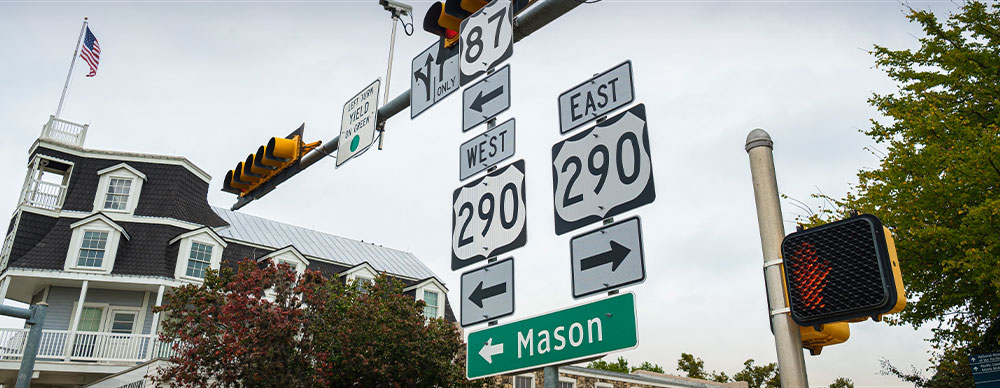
(86, 346)
(44, 195)
(65, 131)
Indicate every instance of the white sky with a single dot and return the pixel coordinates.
(213, 80)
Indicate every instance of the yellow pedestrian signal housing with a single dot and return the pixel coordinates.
(842, 271)
(270, 160)
(828, 334)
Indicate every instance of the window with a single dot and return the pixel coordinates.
(431, 307)
(117, 195)
(92, 249)
(363, 283)
(199, 259)
(90, 319)
(123, 322)
(566, 384)
(523, 382)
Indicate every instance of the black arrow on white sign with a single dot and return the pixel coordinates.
(480, 100)
(426, 77)
(481, 293)
(615, 256)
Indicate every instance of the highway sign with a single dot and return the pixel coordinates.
(985, 370)
(488, 292)
(433, 76)
(486, 99)
(481, 152)
(357, 126)
(603, 171)
(595, 97)
(560, 337)
(608, 258)
(488, 216)
(487, 38)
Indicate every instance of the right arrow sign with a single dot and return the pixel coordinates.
(608, 258)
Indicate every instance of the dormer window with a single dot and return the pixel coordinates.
(432, 292)
(93, 244)
(117, 195)
(197, 251)
(92, 249)
(199, 259)
(118, 189)
(361, 276)
(431, 304)
(288, 256)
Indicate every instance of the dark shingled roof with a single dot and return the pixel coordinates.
(169, 190)
(30, 231)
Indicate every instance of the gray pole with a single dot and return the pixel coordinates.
(551, 376)
(31, 347)
(388, 77)
(69, 74)
(787, 340)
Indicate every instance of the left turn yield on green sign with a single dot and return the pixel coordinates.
(559, 337)
(357, 126)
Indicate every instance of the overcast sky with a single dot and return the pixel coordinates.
(211, 81)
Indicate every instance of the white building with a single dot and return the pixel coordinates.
(101, 236)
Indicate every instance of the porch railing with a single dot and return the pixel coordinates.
(65, 131)
(45, 195)
(86, 346)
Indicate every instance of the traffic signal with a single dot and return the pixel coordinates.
(842, 271)
(270, 160)
(444, 19)
(827, 335)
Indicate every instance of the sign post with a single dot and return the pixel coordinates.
(559, 337)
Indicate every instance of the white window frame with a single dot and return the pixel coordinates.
(603, 385)
(530, 376)
(104, 314)
(431, 284)
(203, 236)
(119, 171)
(567, 380)
(288, 255)
(98, 223)
(109, 317)
(363, 270)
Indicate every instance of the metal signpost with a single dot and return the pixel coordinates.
(555, 338)
(608, 258)
(488, 292)
(486, 99)
(492, 147)
(488, 216)
(487, 38)
(593, 98)
(433, 76)
(603, 171)
(357, 126)
(985, 370)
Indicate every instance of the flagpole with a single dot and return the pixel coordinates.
(72, 63)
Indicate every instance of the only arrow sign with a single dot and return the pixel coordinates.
(479, 293)
(477, 103)
(615, 256)
(489, 350)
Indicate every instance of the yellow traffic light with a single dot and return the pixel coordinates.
(445, 19)
(269, 161)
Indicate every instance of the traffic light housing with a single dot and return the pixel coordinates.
(842, 271)
(827, 335)
(268, 162)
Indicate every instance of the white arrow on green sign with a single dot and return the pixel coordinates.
(559, 337)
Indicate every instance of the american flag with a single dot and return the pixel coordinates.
(91, 52)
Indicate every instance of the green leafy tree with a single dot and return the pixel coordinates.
(620, 366)
(842, 382)
(267, 327)
(937, 187)
(693, 366)
(759, 376)
(646, 365)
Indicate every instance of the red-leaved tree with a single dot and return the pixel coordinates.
(264, 326)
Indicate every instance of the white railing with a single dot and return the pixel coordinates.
(8, 243)
(86, 346)
(65, 131)
(45, 195)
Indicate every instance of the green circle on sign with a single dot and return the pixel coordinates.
(354, 142)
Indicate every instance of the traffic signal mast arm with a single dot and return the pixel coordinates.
(526, 23)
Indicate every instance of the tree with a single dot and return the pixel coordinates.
(693, 366)
(622, 366)
(756, 376)
(937, 187)
(842, 382)
(265, 326)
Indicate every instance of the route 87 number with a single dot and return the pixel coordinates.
(487, 39)
(488, 216)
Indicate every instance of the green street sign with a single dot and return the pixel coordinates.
(558, 337)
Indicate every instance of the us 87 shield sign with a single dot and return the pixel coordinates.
(488, 216)
(603, 171)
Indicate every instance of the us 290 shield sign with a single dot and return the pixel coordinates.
(488, 216)
(603, 171)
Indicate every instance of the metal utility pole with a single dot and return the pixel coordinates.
(551, 376)
(396, 9)
(787, 341)
(34, 318)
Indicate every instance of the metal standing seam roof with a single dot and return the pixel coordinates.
(262, 231)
